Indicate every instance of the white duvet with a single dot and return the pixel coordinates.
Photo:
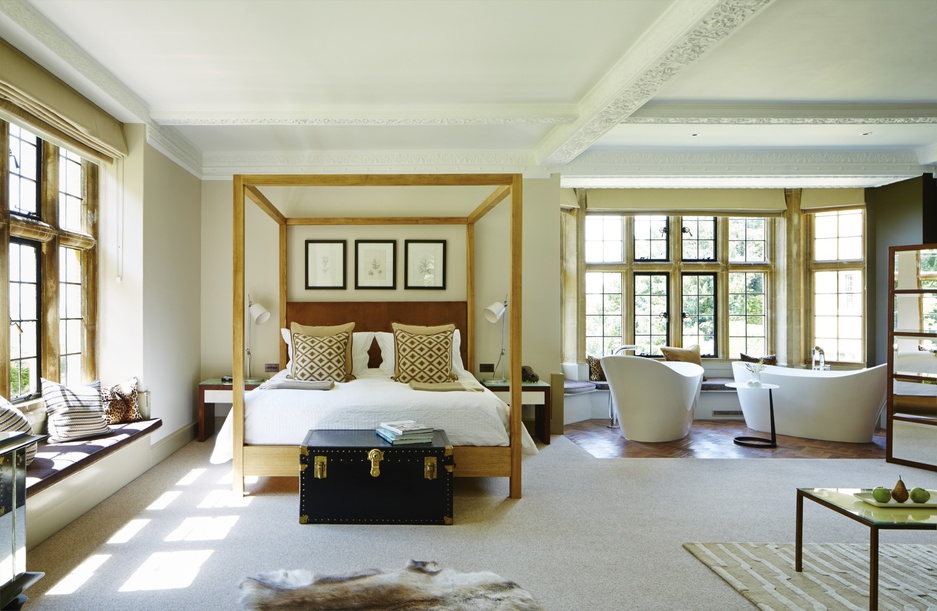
(283, 417)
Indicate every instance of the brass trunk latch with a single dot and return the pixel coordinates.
(319, 467)
(375, 456)
(429, 467)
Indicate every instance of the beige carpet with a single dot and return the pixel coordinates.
(835, 575)
(602, 535)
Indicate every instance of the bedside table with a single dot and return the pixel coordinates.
(212, 391)
(532, 393)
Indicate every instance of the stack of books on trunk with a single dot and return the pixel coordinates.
(405, 431)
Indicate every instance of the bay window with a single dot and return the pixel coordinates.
(655, 280)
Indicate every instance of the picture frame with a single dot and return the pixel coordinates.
(425, 264)
(326, 264)
(376, 264)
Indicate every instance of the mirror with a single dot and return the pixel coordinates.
(912, 414)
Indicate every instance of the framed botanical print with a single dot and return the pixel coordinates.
(375, 264)
(325, 264)
(425, 264)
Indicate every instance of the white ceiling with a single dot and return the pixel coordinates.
(759, 93)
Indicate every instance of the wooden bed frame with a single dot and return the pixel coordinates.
(471, 461)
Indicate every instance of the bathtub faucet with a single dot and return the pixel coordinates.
(819, 359)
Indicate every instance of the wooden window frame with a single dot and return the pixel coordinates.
(50, 236)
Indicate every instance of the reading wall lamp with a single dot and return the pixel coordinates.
(493, 314)
(258, 316)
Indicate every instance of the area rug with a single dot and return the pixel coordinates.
(835, 575)
(420, 586)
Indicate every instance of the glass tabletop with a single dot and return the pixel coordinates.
(901, 513)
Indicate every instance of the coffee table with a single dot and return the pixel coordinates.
(759, 442)
(844, 502)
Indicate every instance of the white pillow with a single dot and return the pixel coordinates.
(386, 343)
(74, 412)
(360, 344)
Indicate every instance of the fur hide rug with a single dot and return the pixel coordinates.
(420, 586)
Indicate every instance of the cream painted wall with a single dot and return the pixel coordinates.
(120, 261)
(541, 274)
(172, 324)
(149, 299)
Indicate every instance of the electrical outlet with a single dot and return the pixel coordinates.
(271, 367)
(486, 368)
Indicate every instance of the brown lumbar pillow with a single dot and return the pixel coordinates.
(690, 354)
(770, 359)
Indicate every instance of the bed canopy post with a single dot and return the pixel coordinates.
(515, 312)
(237, 373)
(470, 295)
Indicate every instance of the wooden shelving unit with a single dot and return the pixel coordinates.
(912, 371)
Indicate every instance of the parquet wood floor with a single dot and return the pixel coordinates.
(713, 439)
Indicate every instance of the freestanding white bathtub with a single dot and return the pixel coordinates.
(829, 405)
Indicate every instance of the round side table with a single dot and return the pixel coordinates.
(759, 442)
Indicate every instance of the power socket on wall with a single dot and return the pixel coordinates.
(486, 368)
(271, 367)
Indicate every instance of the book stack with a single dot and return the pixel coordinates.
(402, 432)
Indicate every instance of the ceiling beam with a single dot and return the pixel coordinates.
(683, 35)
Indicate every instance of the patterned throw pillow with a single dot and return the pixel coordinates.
(596, 373)
(319, 359)
(318, 331)
(12, 419)
(423, 354)
(120, 402)
(74, 413)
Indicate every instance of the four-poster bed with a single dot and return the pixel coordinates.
(471, 461)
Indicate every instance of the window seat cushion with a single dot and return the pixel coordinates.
(56, 461)
(717, 384)
(571, 387)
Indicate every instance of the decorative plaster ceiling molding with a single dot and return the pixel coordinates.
(171, 143)
(685, 112)
(372, 117)
(676, 41)
(779, 120)
(763, 168)
(682, 181)
(224, 165)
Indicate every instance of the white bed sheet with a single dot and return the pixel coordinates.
(283, 417)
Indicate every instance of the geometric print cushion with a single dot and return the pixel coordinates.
(319, 359)
(425, 358)
(74, 413)
(120, 402)
(12, 419)
(324, 331)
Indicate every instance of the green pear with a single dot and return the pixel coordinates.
(919, 495)
(881, 494)
(900, 491)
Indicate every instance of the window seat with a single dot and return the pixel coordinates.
(718, 384)
(56, 461)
